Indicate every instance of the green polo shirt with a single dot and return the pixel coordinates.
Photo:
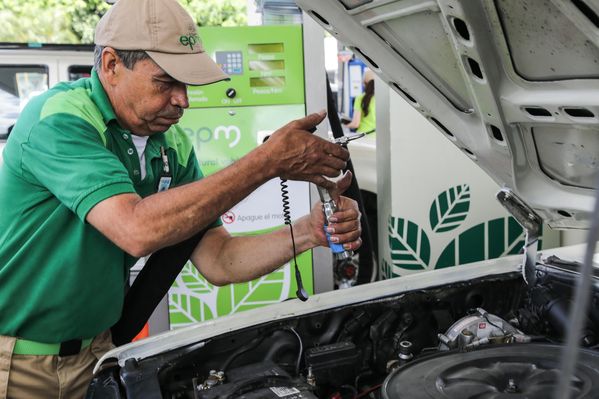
(60, 278)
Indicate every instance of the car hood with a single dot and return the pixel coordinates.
(198, 334)
(513, 83)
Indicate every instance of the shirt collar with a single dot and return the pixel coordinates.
(99, 97)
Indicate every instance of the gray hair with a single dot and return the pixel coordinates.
(128, 57)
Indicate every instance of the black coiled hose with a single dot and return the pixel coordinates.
(301, 292)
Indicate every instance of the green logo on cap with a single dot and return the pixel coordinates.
(189, 40)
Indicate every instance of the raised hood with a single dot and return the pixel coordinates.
(513, 83)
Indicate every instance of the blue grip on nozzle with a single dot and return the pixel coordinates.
(336, 248)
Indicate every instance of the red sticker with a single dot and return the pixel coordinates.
(228, 217)
(482, 326)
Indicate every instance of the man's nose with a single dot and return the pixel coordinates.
(179, 97)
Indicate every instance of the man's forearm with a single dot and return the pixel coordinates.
(246, 258)
(159, 220)
(174, 215)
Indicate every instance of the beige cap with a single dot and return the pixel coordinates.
(164, 30)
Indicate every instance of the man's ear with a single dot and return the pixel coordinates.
(109, 65)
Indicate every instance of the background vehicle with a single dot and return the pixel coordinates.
(28, 70)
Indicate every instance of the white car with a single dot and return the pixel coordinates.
(513, 83)
(26, 71)
(8, 116)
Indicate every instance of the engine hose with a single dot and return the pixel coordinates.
(244, 349)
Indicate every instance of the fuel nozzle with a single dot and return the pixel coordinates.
(345, 271)
(329, 207)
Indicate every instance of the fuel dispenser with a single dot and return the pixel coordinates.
(225, 121)
(353, 72)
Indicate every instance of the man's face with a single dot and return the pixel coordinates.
(146, 99)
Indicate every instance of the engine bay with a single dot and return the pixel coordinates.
(487, 337)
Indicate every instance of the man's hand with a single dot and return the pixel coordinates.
(294, 153)
(344, 228)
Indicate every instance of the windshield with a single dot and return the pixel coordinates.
(18, 84)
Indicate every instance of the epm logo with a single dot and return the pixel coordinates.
(189, 40)
(231, 134)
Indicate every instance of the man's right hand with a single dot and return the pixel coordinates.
(296, 154)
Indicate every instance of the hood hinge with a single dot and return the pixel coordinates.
(533, 227)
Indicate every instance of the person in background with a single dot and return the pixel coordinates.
(364, 119)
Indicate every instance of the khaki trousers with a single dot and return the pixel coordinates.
(31, 376)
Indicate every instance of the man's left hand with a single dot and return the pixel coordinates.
(344, 227)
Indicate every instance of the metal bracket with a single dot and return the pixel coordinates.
(533, 227)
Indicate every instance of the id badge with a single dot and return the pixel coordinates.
(164, 183)
(165, 180)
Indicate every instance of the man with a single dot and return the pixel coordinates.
(79, 203)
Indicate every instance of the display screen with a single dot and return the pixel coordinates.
(275, 65)
(278, 81)
(266, 48)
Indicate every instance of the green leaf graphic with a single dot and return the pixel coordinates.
(191, 298)
(187, 309)
(265, 290)
(386, 271)
(409, 244)
(450, 209)
(488, 240)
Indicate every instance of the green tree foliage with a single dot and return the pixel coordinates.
(217, 12)
(74, 21)
(34, 21)
(85, 15)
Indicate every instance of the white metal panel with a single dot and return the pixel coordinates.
(491, 75)
(67, 61)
